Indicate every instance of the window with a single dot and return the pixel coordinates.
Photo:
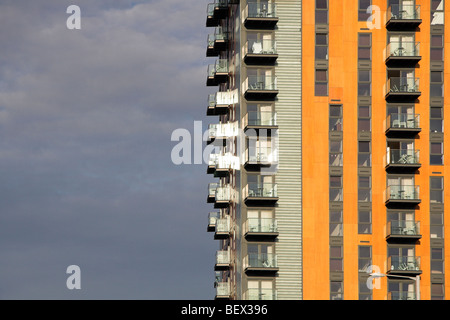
(336, 259)
(321, 83)
(437, 291)
(336, 229)
(437, 261)
(364, 154)
(437, 12)
(364, 258)
(321, 46)
(336, 153)
(436, 225)
(364, 83)
(364, 123)
(436, 153)
(364, 292)
(364, 46)
(436, 119)
(321, 11)
(364, 222)
(364, 192)
(363, 5)
(437, 190)
(436, 84)
(336, 188)
(335, 118)
(336, 290)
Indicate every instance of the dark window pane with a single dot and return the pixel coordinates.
(322, 38)
(364, 89)
(364, 146)
(321, 75)
(364, 111)
(436, 54)
(436, 183)
(436, 147)
(436, 76)
(364, 39)
(321, 4)
(437, 41)
(364, 124)
(321, 17)
(436, 125)
(321, 89)
(436, 90)
(436, 159)
(364, 53)
(322, 52)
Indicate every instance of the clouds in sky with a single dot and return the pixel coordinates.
(85, 123)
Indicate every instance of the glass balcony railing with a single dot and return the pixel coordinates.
(221, 66)
(403, 121)
(260, 83)
(403, 12)
(223, 130)
(403, 263)
(261, 294)
(403, 49)
(401, 157)
(260, 9)
(264, 46)
(403, 193)
(223, 194)
(210, 9)
(261, 225)
(260, 119)
(261, 190)
(223, 225)
(402, 85)
(261, 260)
(403, 228)
(261, 156)
(401, 295)
(223, 289)
(212, 219)
(212, 187)
(223, 257)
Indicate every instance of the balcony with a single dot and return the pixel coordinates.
(223, 228)
(402, 124)
(260, 229)
(403, 230)
(212, 187)
(402, 160)
(401, 295)
(212, 163)
(403, 17)
(402, 88)
(219, 103)
(261, 193)
(260, 120)
(217, 73)
(260, 88)
(223, 291)
(223, 260)
(260, 157)
(212, 219)
(224, 164)
(262, 52)
(222, 197)
(402, 195)
(217, 42)
(261, 263)
(260, 15)
(215, 12)
(260, 294)
(222, 131)
(403, 265)
(402, 54)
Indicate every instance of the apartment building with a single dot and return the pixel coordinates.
(329, 160)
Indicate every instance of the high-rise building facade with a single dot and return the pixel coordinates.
(329, 149)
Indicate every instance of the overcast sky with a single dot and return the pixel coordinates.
(86, 176)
